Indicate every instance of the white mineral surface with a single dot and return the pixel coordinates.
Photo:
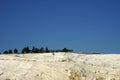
(60, 66)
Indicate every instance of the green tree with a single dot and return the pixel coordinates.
(6, 52)
(10, 51)
(65, 50)
(47, 50)
(15, 50)
(22, 50)
(41, 50)
(26, 50)
(33, 49)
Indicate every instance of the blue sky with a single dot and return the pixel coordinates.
(81, 25)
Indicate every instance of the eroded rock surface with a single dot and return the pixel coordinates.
(60, 66)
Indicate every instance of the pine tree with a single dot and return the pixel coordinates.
(10, 51)
(47, 50)
(42, 50)
(33, 49)
(15, 50)
(6, 52)
(65, 50)
(27, 49)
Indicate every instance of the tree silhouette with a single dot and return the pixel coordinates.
(47, 50)
(10, 51)
(38, 50)
(6, 52)
(23, 50)
(42, 50)
(26, 50)
(15, 50)
(65, 50)
(35, 50)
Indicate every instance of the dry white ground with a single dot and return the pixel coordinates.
(60, 66)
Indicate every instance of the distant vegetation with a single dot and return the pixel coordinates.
(35, 50)
(89, 53)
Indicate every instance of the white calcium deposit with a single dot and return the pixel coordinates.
(60, 66)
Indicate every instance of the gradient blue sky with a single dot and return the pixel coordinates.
(81, 25)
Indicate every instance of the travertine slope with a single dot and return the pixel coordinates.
(60, 66)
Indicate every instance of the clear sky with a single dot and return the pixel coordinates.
(81, 25)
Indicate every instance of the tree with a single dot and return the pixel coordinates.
(47, 50)
(10, 51)
(35, 50)
(22, 50)
(70, 50)
(26, 50)
(41, 50)
(6, 52)
(65, 50)
(15, 50)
